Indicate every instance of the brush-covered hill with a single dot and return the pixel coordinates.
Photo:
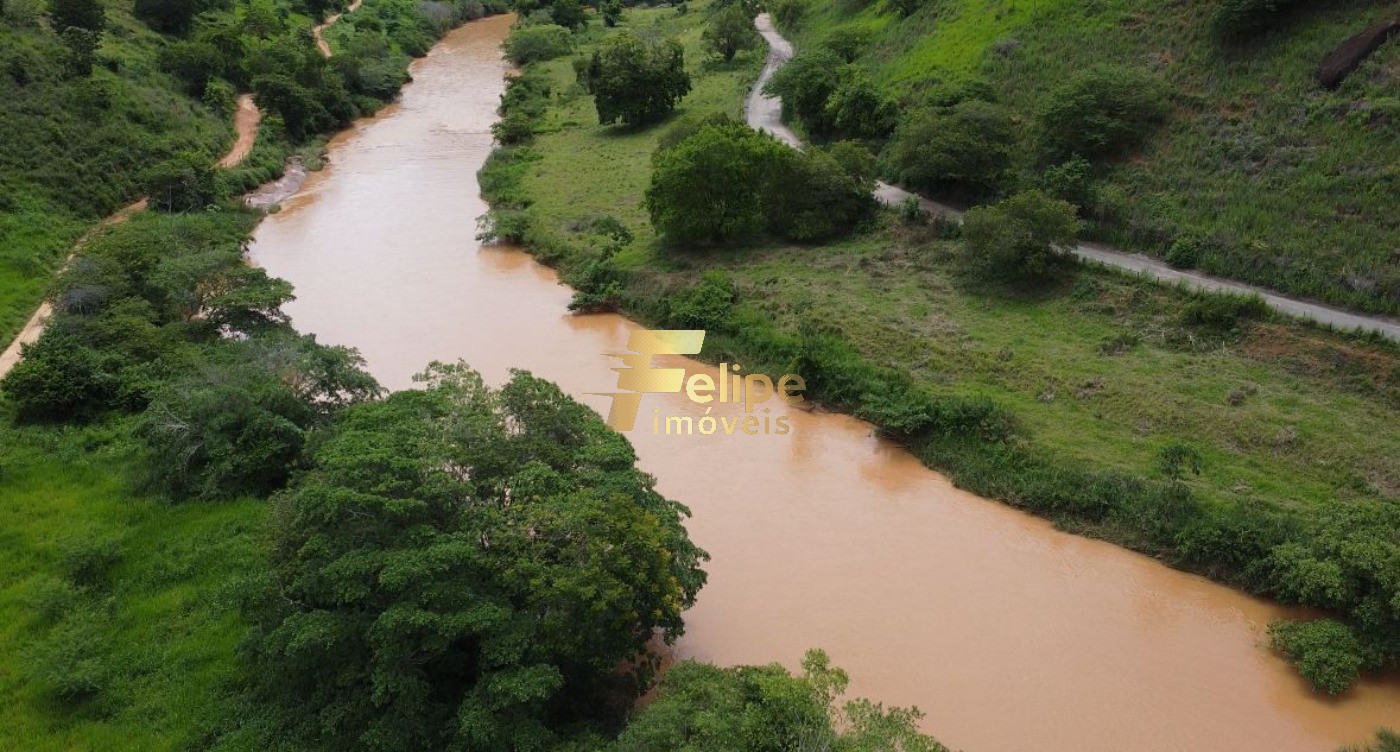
(1243, 160)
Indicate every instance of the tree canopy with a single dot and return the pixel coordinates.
(635, 80)
(465, 567)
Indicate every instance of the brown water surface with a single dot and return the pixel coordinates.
(1008, 633)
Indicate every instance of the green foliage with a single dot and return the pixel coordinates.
(726, 182)
(1222, 313)
(965, 150)
(847, 42)
(193, 64)
(1021, 237)
(611, 11)
(857, 109)
(709, 188)
(1233, 18)
(1326, 652)
(812, 195)
(1175, 460)
(788, 13)
(528, 44)
(184, 183)
(168, 16)
(462, 566)
(80, 14)
(1100, 112)
(731, 31)
(1185, 253)
(82, 50)
(636, 80)
(806, 83)
(767, 709)
(705, 305)
(1386, 741)
(1072, 181)
(568, 13)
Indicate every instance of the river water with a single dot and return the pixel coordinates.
(1010, 635)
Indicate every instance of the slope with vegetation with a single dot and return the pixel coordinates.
(1200, 429)
(1196, 131)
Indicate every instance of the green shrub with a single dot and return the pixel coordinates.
(636, 80)
(168, 16)
(1071, 180)
(731, 31)
(184, 183)
(810, 195)
(965, 150)
(1175, 460)
(788, 13)
(1222, 313)
(1185, 253)
(847, 42)
(85, 561)
(192, 64)
(528, 44)
(1325, 651)
(857, 109)
(568, 13)
(61, 378)
(705, 305)
(1021, 237)
(80, 14)
(71, 660)
(1386, 741)
(1241, 17)
(709, 187)
(1100, 112)
(806, 83)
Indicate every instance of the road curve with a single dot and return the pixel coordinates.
(765, 113)
(245, 126)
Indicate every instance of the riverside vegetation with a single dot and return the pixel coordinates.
(1199, 429)
(222, 534)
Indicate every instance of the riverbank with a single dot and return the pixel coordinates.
(122, 609)
(1099, 378)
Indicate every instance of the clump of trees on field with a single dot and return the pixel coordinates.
(635, 81)
(727, 182)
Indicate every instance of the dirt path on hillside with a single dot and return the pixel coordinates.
(321, 43)
(245, 126)
(765, 113)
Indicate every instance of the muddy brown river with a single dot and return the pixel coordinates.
(1010, 635)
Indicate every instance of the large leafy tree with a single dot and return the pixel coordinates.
(462, 567)
(635, 80)
(731, 31)
(1022, 237)
(965, 150)
(767, 709)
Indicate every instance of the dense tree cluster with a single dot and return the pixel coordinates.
(465, 567)
(727, 182)
(1021, 237)
(635, 80)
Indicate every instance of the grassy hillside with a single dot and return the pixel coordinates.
(1100, 377)
(73, 150)
(1285, 184)
(119, 610)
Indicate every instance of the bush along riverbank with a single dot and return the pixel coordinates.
(1197, 429)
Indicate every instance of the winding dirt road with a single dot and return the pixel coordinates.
(321, 43)
(245, 124)
(765, 113)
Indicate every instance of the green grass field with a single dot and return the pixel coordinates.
(1100, 372)
(1292, 187)
(120, 611)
